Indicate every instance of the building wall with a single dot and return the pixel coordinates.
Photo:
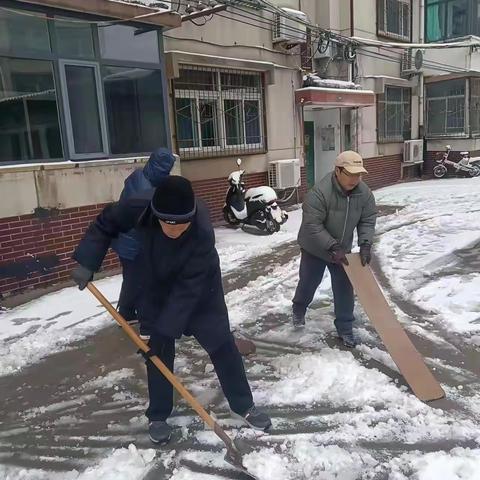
(250, 48)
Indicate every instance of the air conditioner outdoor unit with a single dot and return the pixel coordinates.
(284, 173)
(411, 63)
(413, 151)
(288, 27)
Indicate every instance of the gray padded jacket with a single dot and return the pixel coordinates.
(330, 216)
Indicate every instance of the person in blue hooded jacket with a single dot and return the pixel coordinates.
(127, 245)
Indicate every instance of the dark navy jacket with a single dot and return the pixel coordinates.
(181, 282)
(161, 161)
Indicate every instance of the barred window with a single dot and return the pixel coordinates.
(475, 106)
(394, 114)
(446, 108)
(394, 18)
(218, 112)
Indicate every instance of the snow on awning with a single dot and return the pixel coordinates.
(334, 97)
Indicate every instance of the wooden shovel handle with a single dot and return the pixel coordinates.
(163, 368)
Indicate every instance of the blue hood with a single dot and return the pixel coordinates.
(158, 166)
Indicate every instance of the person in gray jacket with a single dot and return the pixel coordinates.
(337, 205)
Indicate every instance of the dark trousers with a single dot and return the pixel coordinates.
(228, 366)
(131, 289)
(311, 274)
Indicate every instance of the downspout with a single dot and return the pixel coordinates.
(352, 34)
(353, 111)
(421, 83)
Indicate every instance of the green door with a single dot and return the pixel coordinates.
(309, 133)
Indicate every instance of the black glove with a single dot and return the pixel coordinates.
(337, 254)
(365, 253)
(81, 276)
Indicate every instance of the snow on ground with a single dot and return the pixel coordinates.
(417, 246)
(334, 417)
(122, 464)
(235, 246)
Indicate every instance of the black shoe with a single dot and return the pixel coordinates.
(298, 320)
(255, 418)
(349, 340)
(159, 431)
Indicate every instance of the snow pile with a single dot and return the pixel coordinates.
(418, 246)
(307, 461)
(458, 464)
(383, 409)
(52, 323)
(121, 464)
(316, 81)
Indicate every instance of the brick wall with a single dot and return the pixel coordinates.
(455, 156)
(36, 251)
(383, 171)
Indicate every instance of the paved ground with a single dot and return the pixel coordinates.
(55, 416)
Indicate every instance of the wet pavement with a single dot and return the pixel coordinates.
(58, 415)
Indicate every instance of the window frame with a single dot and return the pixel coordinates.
(50, 15)
(466, 96)
(62, 64)
(218, 95)
(472, 26)
(396, 139)
(382, 29)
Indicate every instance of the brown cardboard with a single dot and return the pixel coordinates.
(403, 352)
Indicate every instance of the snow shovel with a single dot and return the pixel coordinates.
(233, 455)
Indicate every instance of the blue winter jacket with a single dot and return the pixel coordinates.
(161, 161)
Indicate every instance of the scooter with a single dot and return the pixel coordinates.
(257, 206)
(464, 165)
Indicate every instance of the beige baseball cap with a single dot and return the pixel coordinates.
(351, 161)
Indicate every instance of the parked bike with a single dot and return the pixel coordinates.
(255, 206)
(464, 165)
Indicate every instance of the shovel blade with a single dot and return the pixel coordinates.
(234, 457)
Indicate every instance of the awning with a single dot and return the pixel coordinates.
(334, 97)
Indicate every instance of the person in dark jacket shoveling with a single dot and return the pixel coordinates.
(127, 245)
(182, 291)
(332, 210)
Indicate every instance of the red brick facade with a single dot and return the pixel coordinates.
(383, 171)
(36, 252)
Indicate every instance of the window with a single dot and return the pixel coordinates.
(109, 81)
(74, 40)
(29, 126)
(135, 110)
(393, 114)
(445, 105)
(475, 106)
(83, 107)
(449, 19)
(121, 42)
(394, 18)
(218, 111)
(22, 32)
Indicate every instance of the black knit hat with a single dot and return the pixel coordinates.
(174, 201)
